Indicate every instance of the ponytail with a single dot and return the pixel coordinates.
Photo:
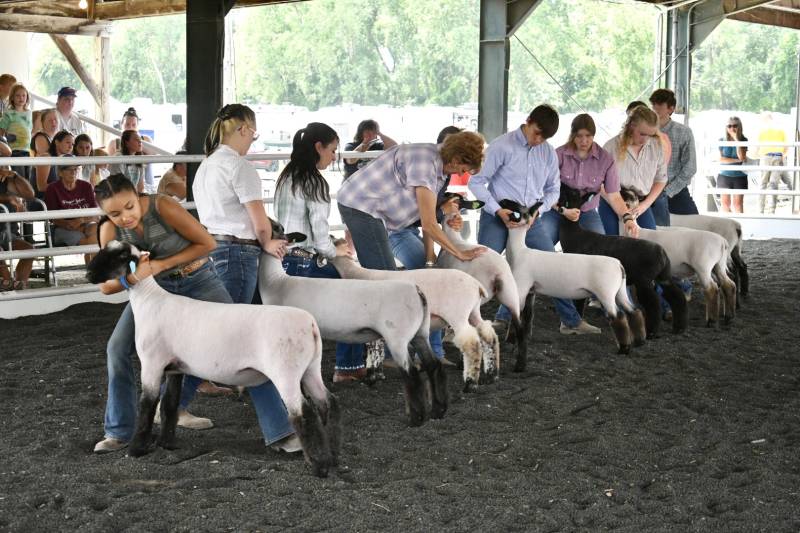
(228, 119)
(302, 167)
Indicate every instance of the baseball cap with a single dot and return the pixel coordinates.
(67, 91)
(68, 166)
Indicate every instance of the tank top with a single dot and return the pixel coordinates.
(158, 238)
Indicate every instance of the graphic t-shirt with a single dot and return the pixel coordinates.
(58, 197)
(17, 124)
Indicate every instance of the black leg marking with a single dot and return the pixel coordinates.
(648, 299)
(169, 411)
(437, 378)
(526, 324)
(140, 445)
(334, 426)
(414, 390)
(622, 332)
(677, 302)
(314, 439)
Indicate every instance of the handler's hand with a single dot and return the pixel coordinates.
(505, 215)
(472, 253)
(276, 247)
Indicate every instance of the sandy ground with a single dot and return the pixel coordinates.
(697, 432)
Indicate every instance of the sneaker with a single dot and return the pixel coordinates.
(349, 376)
(500, 326)
(583, 328)
(108, 445)
(210, 389)
(446, 362)
(290, 444)
(186, 419)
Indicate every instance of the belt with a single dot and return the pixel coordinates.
(775, 154)
(299, 252)
(235, 240)
(187, 269)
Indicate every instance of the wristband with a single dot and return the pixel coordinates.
(430, 264)
(627, 217)
(124, 282)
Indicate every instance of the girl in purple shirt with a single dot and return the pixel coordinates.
(585, 166)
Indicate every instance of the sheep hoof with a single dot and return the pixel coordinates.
(374, 375)
(438, 410)
(167, 444)
(639, 342)
(727, 320)
(624, 349)
(711, 323)
(521, 364)
(470, 386)
(651, 336)
(138, 450)
(320, 468)
(488, 378)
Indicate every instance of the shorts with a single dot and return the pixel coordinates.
(731, 182)
(66, 237)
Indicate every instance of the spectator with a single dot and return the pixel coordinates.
(6, 82)
(227, 191)
(368, 137)
(303, 204)
(523, 167)
(130, 121)
(173, 182)
(131, 144)
(36, 121)
(682, 163)
(639, 156)
(41, 141)
(101, 170)
(67, 119)
(69, 192)
(771, 156)
(733, 156)
(585, 166)
(62, 144)
(15, 191)
(16, 125)
(83, 148)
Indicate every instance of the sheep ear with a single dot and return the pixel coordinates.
(471, 204)
(295, 236)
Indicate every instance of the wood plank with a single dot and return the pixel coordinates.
(75, 63)
(51, 24)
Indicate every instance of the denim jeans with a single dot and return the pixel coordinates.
(237, 265)
(370, 239)
(348, 356)
(589, 220)
(660, 209)
(682, 203)
(611, 220)
(120, 417)
(493, 234)
(407, 246)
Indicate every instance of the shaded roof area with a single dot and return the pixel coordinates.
(783, 13)
(68, 17)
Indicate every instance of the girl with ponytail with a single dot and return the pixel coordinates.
(303, 204)
(227, 192)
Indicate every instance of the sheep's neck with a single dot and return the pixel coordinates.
(516, 242)
(272, 268)
(141, 290)
(453, 235)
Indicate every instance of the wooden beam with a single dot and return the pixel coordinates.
(49, 24)
(102, 68)
(769, 17)
(72, 58)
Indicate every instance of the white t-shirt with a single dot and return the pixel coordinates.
(72, 124)
(224, 182)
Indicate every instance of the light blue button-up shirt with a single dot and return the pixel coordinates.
(516, 171)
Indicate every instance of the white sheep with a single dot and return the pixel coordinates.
(357, 311)
(454, 298)
(236, 344)
(731, 231)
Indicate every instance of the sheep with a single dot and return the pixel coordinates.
(490, 269)
(646, 264)
(696, 252)
(454, 298)
(574, 276)
(731, 231)
(357, 311)
(229, 343)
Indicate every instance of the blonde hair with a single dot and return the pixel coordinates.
(465, 147)
(229, 119)
(14, 89)
(95, 177)
(638, 115)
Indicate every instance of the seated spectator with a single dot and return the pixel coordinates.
(100, 171)
(131, 145)
(6, 82)
(368, 137)
(83, 148)
(44, 144)
(130, 121)
(67, 119)
(16, 124)
(173, 182)
(36, 121)
(71, 193)
(14, 192)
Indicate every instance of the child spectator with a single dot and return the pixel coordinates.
(16, 124)
(83, 148)
(131, 144)
(14, 192)
(173, 182)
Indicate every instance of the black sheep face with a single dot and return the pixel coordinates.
(630, 198)
(112, 262)
(278, 232)
(572, 198)
(520, 213)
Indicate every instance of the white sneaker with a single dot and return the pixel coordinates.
(109, 444)
(186, 419)
(290, 444)
(583, 328)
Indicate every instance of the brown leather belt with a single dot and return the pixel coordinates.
(235, 240)
(187, 269)
(299, 252)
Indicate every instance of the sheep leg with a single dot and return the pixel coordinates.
(437, 378)
(677, 302)
(622, 331)
(307, 424)
(328, 407)
(413, 387)
(375, 357)
(648, 299)
(635, 316)
(490, 350)
(526, 325)
(151, 384)
(521, 338)
(468, 342)
(742, 278)
(728, 289)
(712, 304)
(169, 411)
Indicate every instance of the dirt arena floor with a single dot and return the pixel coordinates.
(697, 432)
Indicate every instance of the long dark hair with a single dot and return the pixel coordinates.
(112, 185)
(229, 117)
(302, 168)
(363, 126)
(58, 137)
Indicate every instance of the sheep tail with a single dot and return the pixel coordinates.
(426, 316)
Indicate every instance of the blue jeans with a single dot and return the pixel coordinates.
(120, 417)
(682, 203)
(407, 246)
(493, 233)
(611, 220)
(660, 210)
(589, 220)
(237, 265)
(370, 239)
(348, 356)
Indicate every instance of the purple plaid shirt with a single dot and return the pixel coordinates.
(385, 188)
(587, 175)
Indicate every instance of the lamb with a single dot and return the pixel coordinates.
(574, 276)
(357, 311)
(731, 231)
(228, 343)
(696, 252)
(491, 270)
(646, 264)
(454, 298)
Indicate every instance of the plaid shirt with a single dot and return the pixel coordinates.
(296, 213)
(385, 188)
(683, 163)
